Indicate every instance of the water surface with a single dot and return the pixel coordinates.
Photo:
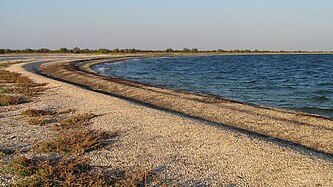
(298, 82)
(6, 58)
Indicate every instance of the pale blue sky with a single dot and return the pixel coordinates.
(153, 24)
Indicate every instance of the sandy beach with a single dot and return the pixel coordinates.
(185, 141)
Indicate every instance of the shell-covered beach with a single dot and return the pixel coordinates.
(185, 139)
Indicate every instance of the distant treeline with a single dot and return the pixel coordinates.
(77, 50)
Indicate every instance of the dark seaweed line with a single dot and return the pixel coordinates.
(306, 150)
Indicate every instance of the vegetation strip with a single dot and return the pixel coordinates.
(77, 50)
(15, 88)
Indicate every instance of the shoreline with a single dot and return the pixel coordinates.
(88, 67)
(266, 121)
(179, 149)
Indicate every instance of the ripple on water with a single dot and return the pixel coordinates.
(298, 82)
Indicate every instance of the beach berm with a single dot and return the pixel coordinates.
(177, 135)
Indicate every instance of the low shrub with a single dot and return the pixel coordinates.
(62, 171)
(75, 141)
(37, 113)
(6, 100)
(75, 121)
(40, 121)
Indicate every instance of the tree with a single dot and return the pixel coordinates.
(169, 50)
(63, 50)
(186, 50)
(76, 50)
(85, 50)
(102, 50)
(43, 50)
(194, 50)
(2, 51)
(133, 50)
(28, 50)
(115, 50)
(8, 51)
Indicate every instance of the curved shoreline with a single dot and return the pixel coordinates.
(88, 67)
(181, 150)
(307, 131)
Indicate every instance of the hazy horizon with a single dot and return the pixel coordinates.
(225, 24)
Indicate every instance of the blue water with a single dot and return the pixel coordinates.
(298, 82)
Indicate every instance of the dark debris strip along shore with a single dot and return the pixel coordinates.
(297, 82)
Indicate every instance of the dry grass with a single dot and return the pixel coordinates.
(76, 121)
(72, 169)
(14, 86)
(30, 91)
(67, 171)
(7, 89)
(68, 111)
(75, 141)
(37, 117)
(4, 65)
(40, 117)
(8, 77)
(72, 140)
(63, 171)
(6, 100)
(138, 177)
(37, 113)
(40, 121)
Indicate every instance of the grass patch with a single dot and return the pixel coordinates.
(30, 91)
(72, 140)
(8, 77)
(67, 171)
(6, 100)
(75, 141)
(62, 171)
(75, 121)
(37, 113)
(138, 177)
(39, 121)
(7, 90)
(19, 84)
(14, 86)
(37, 117)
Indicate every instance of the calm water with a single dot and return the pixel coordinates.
(297, 82)
(6, 58)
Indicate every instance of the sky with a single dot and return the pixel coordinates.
(177, 24)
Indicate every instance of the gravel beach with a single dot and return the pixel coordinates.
(181, 150)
